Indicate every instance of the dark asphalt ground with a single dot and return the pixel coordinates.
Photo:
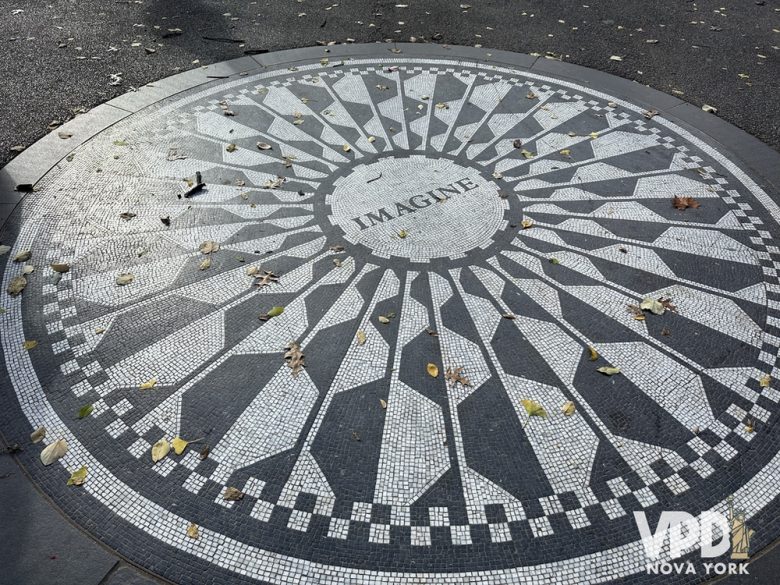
(58, 55)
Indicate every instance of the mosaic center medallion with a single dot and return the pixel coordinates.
(397, 333)
(435, 201)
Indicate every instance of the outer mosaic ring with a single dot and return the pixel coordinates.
(513, 526)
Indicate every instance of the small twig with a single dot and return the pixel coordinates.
(374, 179)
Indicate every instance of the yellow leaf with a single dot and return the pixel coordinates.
(765, 381)
(527, 223)
(402, 234)
(54, 452)
(383, 403)
(192, 531)
(383, 319)
(231, 148)
(346, 148)
(593, 135)
(371, 138)
(78, 477)
(361, 337)
(565, 152)
(124, 279)
(594, 355)
(533, 408)
(179, 445)
(652, 305)
(149, 384)
(30, 344)
(433, 370)
(608, 370)
(205, 264)
(160, 450)
(568, 408)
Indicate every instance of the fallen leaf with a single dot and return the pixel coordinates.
(231, 148)
(608, 370)
(208, 247)
(127, 215)
(54, 452)
(371, 138)
(554, 261)
(750, 425)
(533, 408)
(38, 434)
(294, 358)
(232, 494)
(23, 256)
(265, 279)
(433, 370)
(61, 268)
(78, 477)
(531, 95)
(456, 377)
(16, 286)
(204, 453)
(160, 450)
(85, 410)
(616, 58)
(205, 263)
(192, 531)
(124, 279)
(527, 153)
(649, 114)
(65, 135)
(264, 146)
(383, 403)
(497, 175)
(30, 344)
(346, 148)
(383, 319)
(593, 135)
(148, 385)
(527, 223)
(652, 305)
(28, 269)
(709, 109)
(179, 445)
(594, 355)
(402, 234)
(4, 249)
(667, 303)
(442, 106)
(568, 408)
(361, 337)
(685, 202)
(765, 381)
(565, 152)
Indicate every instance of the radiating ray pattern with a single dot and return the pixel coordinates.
(495, 225)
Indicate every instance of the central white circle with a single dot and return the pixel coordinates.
(418, 208)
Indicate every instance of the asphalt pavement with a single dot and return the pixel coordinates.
(62, 57)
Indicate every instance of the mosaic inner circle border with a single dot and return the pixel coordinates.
(729, 428)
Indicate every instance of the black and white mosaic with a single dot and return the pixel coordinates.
(494, 223)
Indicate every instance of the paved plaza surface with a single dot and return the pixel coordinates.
(387, 313)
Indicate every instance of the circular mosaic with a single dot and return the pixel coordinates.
(411, 319)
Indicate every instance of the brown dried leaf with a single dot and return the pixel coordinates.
(294, 358)
(232, 494)
(456, 377)
(16, 286)
(266, 278)
(594, 355)
(192, 531)
(685, 202)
